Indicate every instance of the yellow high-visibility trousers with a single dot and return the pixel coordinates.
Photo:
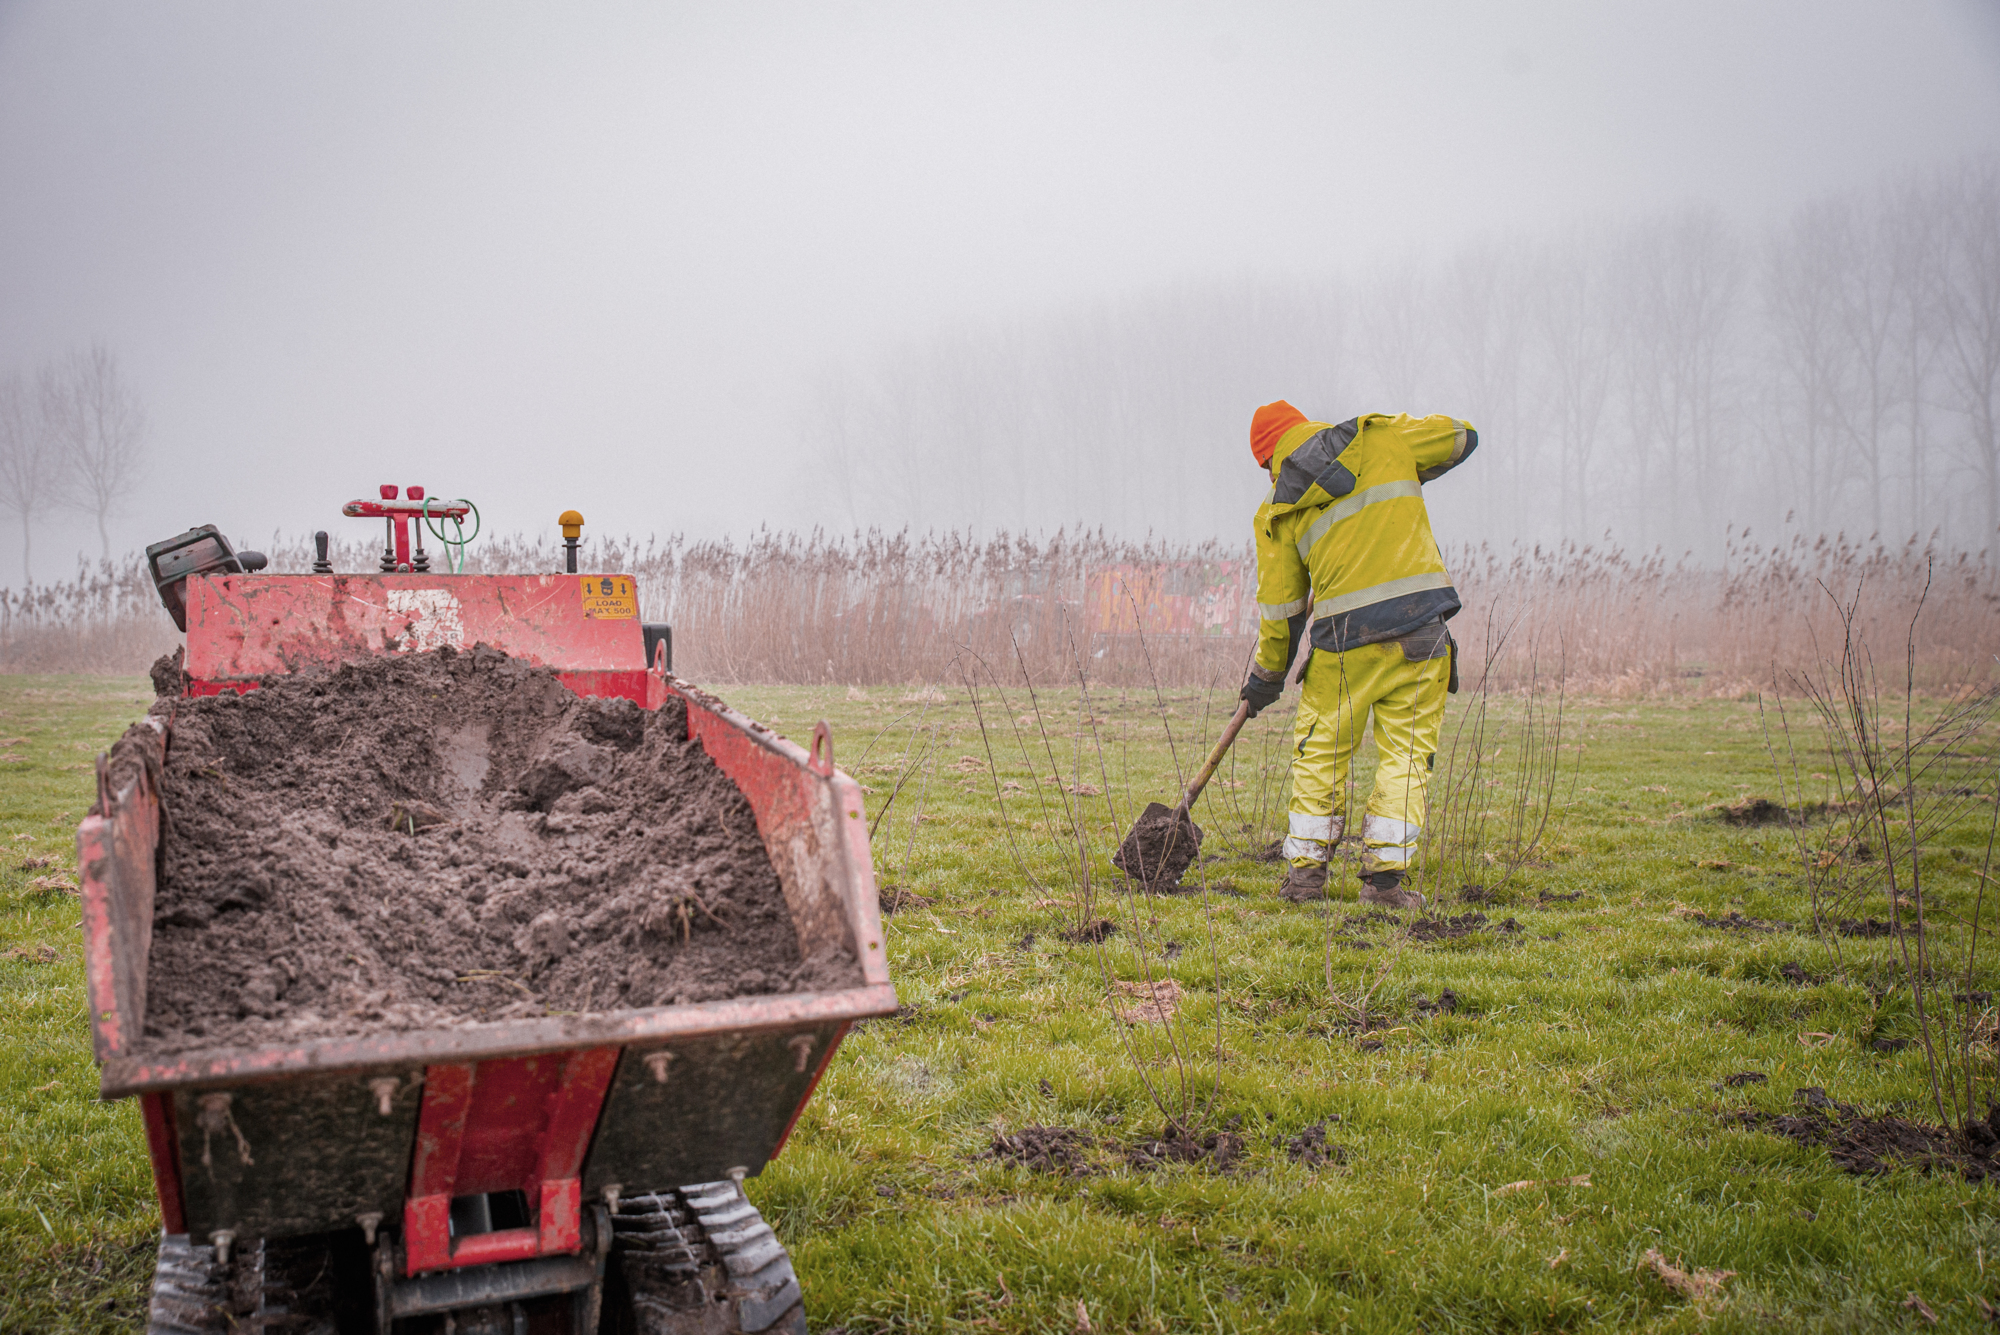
(1406, 697)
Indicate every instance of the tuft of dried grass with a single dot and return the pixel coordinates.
(1698, 1286)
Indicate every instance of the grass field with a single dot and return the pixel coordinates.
(1584, 1057)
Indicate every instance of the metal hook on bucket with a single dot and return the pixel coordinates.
(821, 759)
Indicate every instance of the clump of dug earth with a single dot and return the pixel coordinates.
(446, 838)
(1861, 1143)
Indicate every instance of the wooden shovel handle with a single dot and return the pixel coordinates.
(1215, 757)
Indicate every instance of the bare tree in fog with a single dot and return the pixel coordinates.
(1404, 324)
(1474, 318)
(1870, 309)
(1803, 312)
(1968, 283)
(30, 466)
(1672, 380)
(99, 427)
(1911, 220)
(1574, 341)
(1684, 276)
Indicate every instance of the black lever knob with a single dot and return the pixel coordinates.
(321, 566)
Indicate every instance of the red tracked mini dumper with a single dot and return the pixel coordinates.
(577, 1173)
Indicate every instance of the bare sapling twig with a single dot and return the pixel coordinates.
(993, 763)
(1072, 821)
(1355, 1010)
(904, 768)
(1137, 925)
(1537, 767)
(1824, 877)
(1139, 910)
(1967, 1023)
(1902, 782)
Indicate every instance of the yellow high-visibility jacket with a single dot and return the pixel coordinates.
(1344, 536)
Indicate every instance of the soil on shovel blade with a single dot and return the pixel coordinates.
(448, 838)
(1162, 844)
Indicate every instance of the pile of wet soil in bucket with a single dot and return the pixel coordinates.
(444, 839)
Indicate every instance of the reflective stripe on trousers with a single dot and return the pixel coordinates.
(1311, 837)
(1389, 841)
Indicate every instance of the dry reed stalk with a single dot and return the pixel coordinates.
(881, 609)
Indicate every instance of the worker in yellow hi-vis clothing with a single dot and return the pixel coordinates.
(1344, 541)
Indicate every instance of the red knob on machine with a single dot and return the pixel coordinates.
(388, 493)
(414, 493)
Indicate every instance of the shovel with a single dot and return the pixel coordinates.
(1164, 840)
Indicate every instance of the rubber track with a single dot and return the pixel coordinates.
(190, 1291)
(685, 1254)
(194, 1295)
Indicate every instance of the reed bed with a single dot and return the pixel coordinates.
(877, 608)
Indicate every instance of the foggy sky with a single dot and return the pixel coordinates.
(600, 256)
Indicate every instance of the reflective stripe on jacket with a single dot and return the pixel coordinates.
(1344, 532)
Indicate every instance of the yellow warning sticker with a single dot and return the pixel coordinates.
(610, 598)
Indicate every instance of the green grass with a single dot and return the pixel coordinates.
(78, 1218)
(1591, 1042)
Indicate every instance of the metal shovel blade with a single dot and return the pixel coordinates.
(1162, 844)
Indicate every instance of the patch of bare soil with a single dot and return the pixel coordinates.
(1045, 1149)
(1736, 922)
(1311, 1148)
(1546, 898)
(1219, 1150)
(1155, 1000)
(1794, 972)
(1447, 1003)
(1751, 811)
(445, 838)
(1863, 1144)
(1451, 929)
(1759, 810)
(892, 899)
(904, 1015)
(1162, 843)
(1864, 927)
(1090, 933)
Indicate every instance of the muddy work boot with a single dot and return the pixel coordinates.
(1305, 884)
(1385, 890)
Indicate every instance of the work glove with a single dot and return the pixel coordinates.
(1260, 693)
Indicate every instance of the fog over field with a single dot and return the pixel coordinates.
(703, 269)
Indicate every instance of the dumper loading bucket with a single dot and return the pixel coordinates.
(539, 1126)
